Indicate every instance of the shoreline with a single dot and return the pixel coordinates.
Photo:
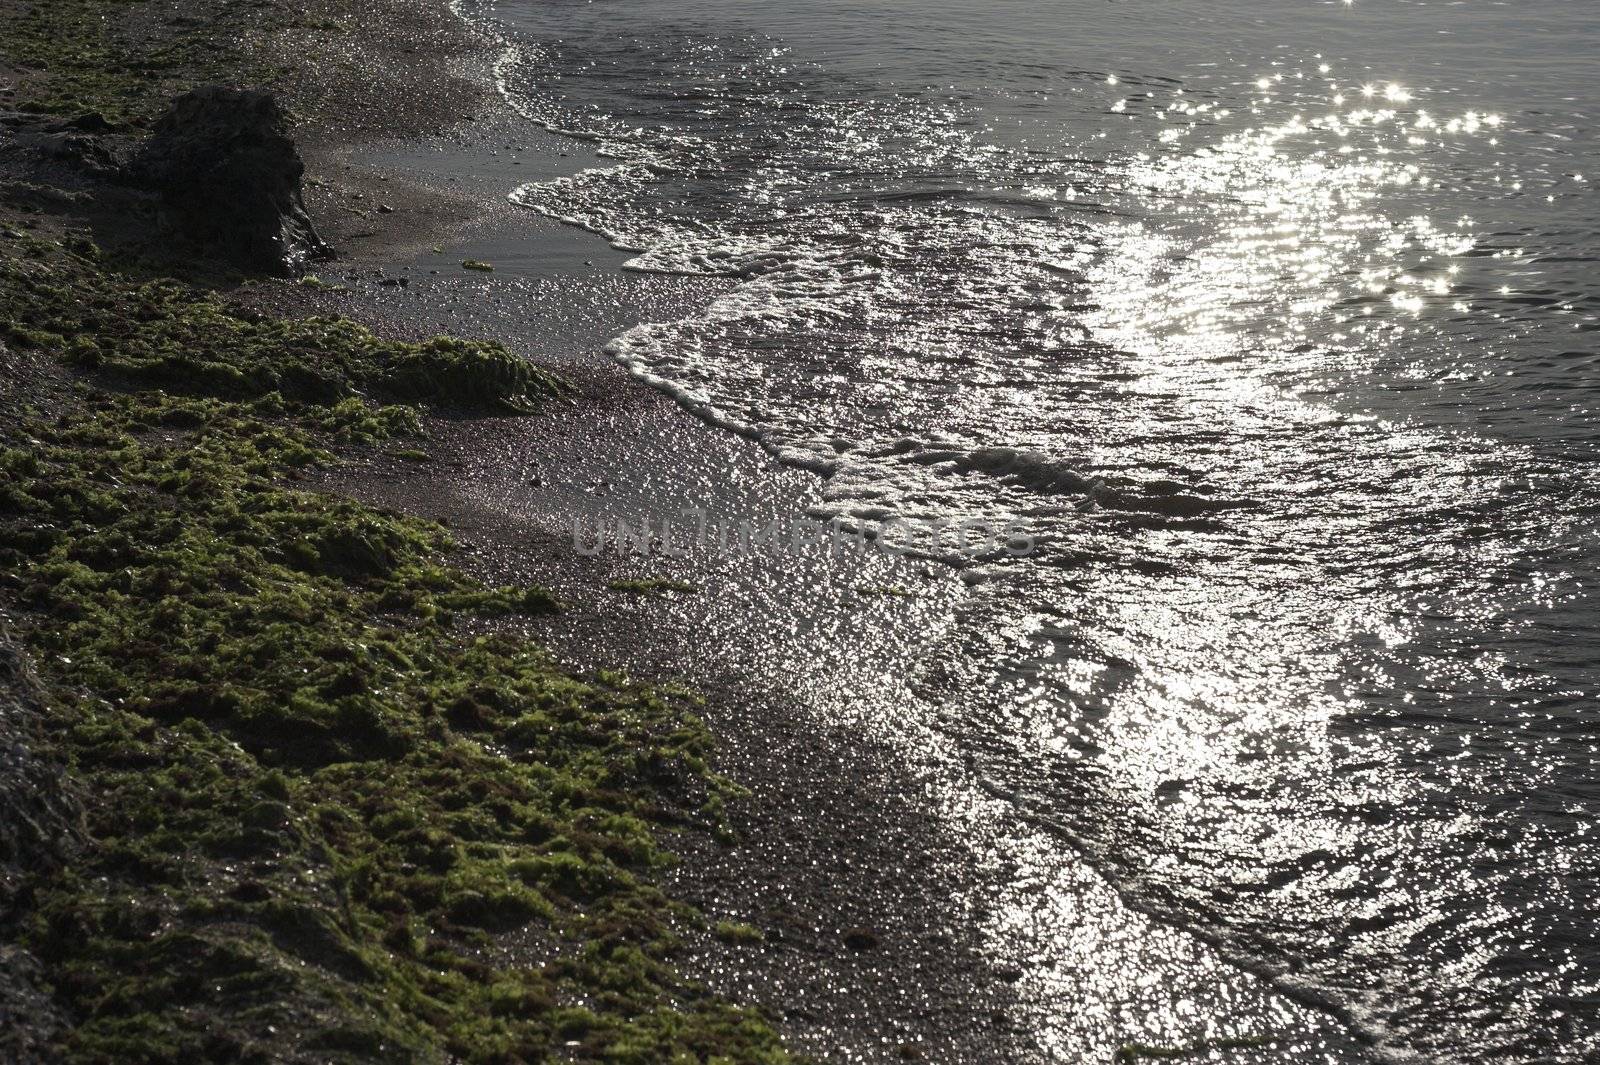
(853, 909)
(844, 739)
(924, 989)
(841, 972)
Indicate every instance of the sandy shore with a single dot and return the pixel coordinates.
(883, 876)
(850, 878)
(903, 911)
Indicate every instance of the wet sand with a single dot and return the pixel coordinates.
(849, 879)
(906, 912)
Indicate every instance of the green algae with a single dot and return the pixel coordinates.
(88, 56)
(738, 933)
(164, 334)
(334, 815)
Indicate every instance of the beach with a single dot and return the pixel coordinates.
(835, 875)
(879, 851)
(836, 843)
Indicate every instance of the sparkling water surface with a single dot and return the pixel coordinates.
(1274, 320)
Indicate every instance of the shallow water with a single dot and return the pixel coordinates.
(1274, 324)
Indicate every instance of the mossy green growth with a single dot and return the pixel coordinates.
(352, 421)
(333, 814)
(318, 799)
(121, 58)
(162, 333)
(898, 591)
(737, 932)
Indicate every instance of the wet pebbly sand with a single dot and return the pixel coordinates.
(848, 879)
(903, 912)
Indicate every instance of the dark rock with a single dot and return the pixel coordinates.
(861, 939)
(229, 176)
(65, 144)
(90, 122)
(30, 1024)
(40, 820)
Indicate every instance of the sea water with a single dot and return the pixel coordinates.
(1274, 321)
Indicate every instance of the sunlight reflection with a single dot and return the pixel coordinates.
(1282, 215)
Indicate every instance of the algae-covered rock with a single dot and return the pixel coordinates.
(228, 174)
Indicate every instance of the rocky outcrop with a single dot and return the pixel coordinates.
(50, 154)
(228, 176)
(76, 142)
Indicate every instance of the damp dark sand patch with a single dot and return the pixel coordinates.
(332, 813)
(651, 586)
